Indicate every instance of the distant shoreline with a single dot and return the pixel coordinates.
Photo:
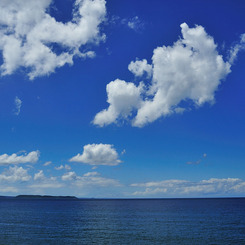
(50, 197)
(44, 197)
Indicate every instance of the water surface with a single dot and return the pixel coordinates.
(147, 221)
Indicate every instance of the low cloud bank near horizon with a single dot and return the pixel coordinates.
(174, 187)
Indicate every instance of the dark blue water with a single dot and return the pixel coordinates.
(166, 221)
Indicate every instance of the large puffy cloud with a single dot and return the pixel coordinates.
(189, 71)
(29, 35)
(213, 186)
(31, 157)
(14, 174)
(97, 154)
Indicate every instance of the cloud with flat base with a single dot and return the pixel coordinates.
(98, 154)
(189, 71)
(31, 157)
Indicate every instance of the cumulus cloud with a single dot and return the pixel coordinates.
(188, 72)
(31, 157)
(89, 179)
(18, 104)
(139, 67)
(69, 176)
(123, 97)
(30, 37)
(97, 154)
(213, 186)
(14, 174)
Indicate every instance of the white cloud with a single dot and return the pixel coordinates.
(123, 97)
(188, 71)
(14, 174)
(39, 176)
(139, 67)
(69, 176)
(67, 167)
(213, 186)
(47, 163)
(135, 24)
(90, 179)
(31, 157)
(96, 181)
(43, 182)
(97, 154)
(28, 34)
(18, 104)
(89, 174)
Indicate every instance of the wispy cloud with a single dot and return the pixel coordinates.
(66, 166)
(234, 51)
(198, 161)
(6, 189)
(18, 104)
(47, 163)
(134, 23)
(89, 179)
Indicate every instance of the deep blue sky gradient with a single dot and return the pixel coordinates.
(57, 110)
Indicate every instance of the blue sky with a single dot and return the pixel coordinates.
(122, 98)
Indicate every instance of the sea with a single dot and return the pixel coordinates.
(122, 221)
